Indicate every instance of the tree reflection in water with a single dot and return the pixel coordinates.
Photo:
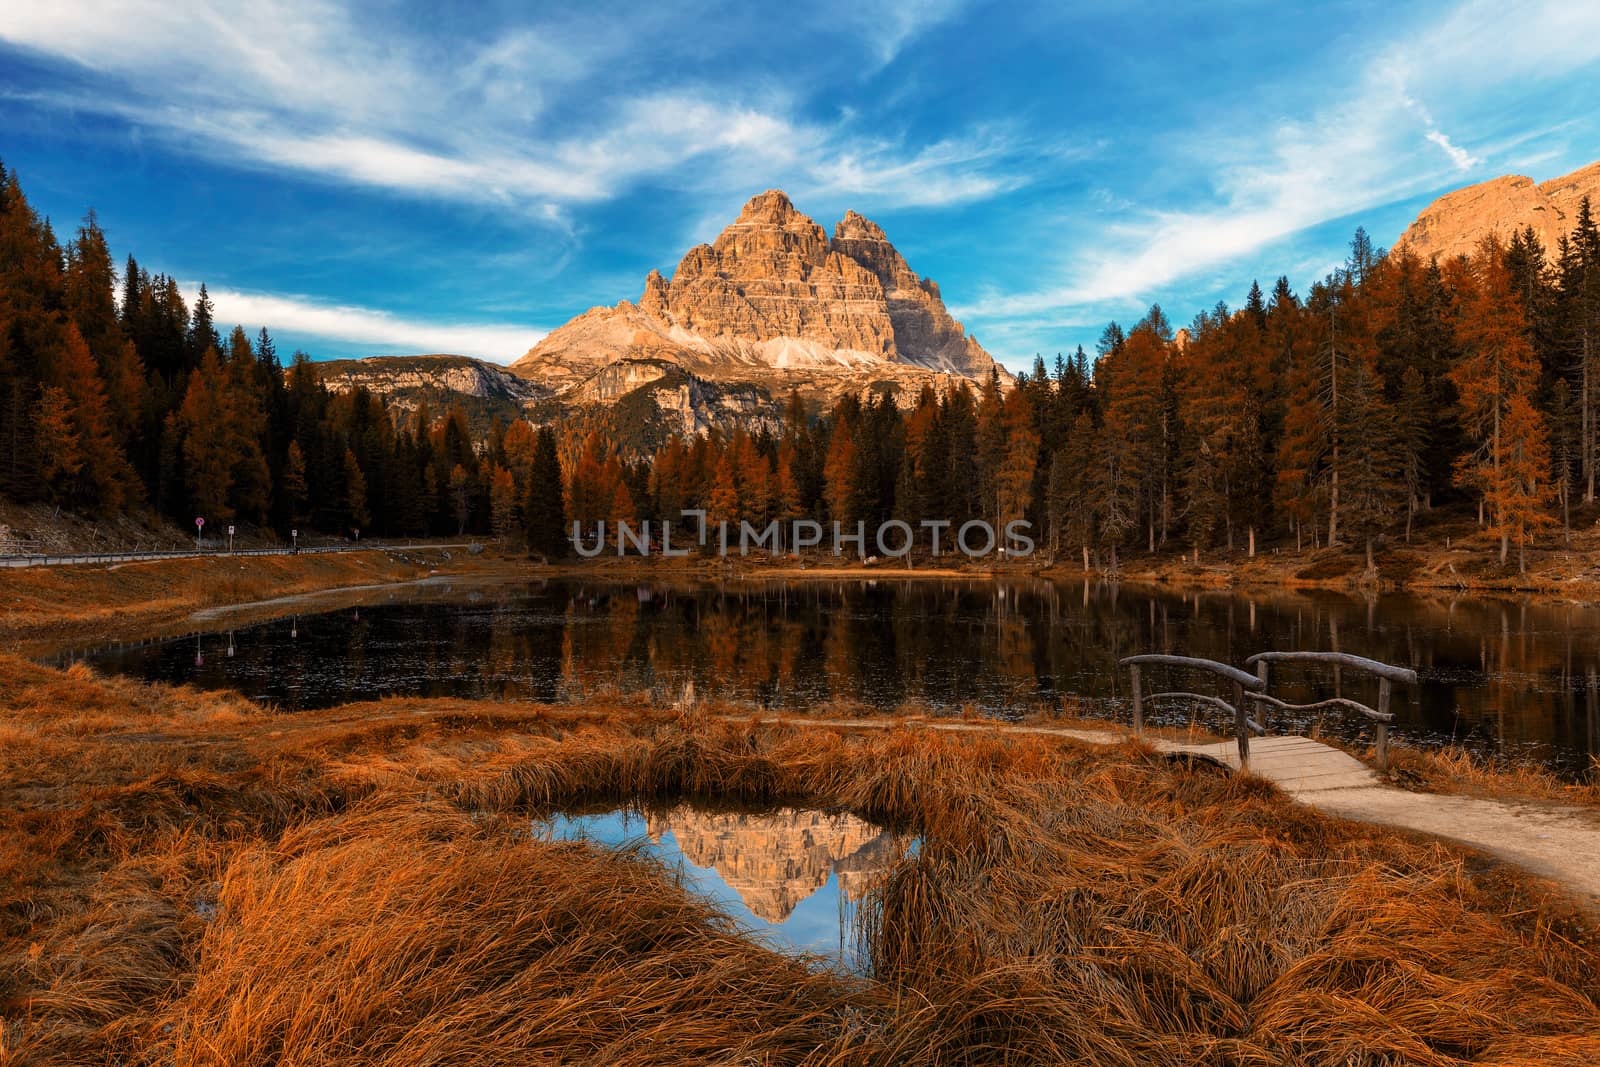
(1501, 676)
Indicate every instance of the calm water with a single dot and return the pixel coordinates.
(1504, 677)
(794, 877)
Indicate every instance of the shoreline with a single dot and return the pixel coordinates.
(45, 610)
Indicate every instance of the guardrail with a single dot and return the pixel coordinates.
(63, 559)
(1386, 673)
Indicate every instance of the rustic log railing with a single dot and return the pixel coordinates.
(1243, 682)
(1387, 675)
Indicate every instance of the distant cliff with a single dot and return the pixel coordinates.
(1455, 223)
(773, 305)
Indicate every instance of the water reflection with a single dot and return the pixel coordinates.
(794, 876)
(1508, 676)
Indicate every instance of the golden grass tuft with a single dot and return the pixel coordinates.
(1456, 770)
(360, 886)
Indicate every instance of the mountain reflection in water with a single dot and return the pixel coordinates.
(1505, 677)
(795, 876)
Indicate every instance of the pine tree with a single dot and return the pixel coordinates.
(203, 336)
(201, 427)
(1520, 493)
(543, 508)
(57, 440)
(294, 485)
(106, 480)
(502, 502)
(1014, 479)
(1412, 416)
(1563, 451)
(357, 515)
(1498, 366)
(460, 488)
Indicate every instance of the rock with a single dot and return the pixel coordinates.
(1457, 222)
(924, 332)
(776, 303)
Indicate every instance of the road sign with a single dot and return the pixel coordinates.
(230, 531)
(199, 522)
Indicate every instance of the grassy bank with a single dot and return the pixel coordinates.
(44, 605)
(188, 879)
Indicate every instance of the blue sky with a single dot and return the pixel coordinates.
(370, 179)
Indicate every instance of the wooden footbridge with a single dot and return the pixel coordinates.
(1286, 760)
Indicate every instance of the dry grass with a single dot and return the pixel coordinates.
(192, 881)
(1456, 770)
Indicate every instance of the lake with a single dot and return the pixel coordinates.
(1515, 679)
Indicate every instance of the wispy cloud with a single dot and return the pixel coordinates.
(500, 343)
(1357, 154)
(303, 86)
(1463, 159)
(891, 24)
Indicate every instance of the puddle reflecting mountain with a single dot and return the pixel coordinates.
(775, 861)
(795, 876)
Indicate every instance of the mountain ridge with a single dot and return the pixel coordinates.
(1456, 222)
(773, 305)
(773, 294)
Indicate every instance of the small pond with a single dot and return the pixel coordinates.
(793, 877)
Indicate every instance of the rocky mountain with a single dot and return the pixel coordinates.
(1455, 223)
(774, 304)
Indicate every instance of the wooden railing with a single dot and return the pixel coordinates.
(1242, 683)
(1251, 687)
(1386, 673)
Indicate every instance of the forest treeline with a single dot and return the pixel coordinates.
(1393, 386)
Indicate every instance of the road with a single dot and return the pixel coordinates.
(68, 559)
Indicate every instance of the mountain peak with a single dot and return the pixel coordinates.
(854, 227)
(772, 293)
(773, 205)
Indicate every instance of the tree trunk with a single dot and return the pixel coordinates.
(1587, 432)
(1333, 502)
(1252, 542)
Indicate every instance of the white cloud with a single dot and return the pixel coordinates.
(1463, 159)
(499, 343)
(1356, 155)
(892, 24)
(306, 86)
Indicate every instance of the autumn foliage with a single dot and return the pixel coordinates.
(1341, 418)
